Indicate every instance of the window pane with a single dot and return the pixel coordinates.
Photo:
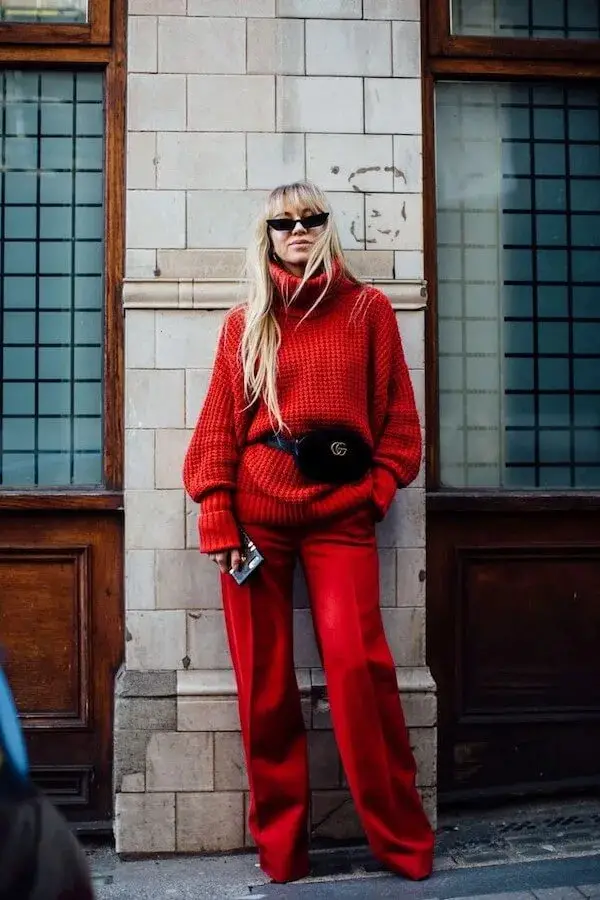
(576, 19)
(51, 279)
(47, 12)
(518, 285)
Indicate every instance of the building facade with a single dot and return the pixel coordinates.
(459, 145)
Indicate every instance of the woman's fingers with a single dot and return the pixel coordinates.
(227, 559)
(222, 560)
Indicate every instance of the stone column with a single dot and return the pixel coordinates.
(226, 99)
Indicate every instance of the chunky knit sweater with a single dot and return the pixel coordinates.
(341, 365)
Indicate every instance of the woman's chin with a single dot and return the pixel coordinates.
(298, 259)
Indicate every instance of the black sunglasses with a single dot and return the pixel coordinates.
(307, 222)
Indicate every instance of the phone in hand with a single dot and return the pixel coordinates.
(252, 558)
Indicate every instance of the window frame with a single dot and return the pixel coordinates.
(442, 42)
(110, 60)
(96, 31)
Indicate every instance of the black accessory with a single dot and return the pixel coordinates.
(307, 222)
(251, 559)
(327, 455)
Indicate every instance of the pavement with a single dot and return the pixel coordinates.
(544, 851)
(571, 879)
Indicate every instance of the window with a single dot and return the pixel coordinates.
(518, 184)
(514, 29)
(49, 11)
(574, 19)
(515, 253)
(51, 278)
(55, 21)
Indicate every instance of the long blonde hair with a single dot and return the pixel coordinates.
(261, 337)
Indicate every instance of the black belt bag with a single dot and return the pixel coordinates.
(327, 455)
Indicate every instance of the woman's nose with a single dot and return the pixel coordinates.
(298, 227)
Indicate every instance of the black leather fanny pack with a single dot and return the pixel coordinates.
(327, 455)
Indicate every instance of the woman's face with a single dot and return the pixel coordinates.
(293, 248)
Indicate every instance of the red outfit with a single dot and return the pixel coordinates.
(340, 562)
(342, 365)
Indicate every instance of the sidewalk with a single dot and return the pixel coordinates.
(564, 879)
(549, 851)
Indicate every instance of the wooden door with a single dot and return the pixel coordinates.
(60, 626)
(61, 503)
(513, 514)
(514, 619)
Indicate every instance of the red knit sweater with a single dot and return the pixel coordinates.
(343, 365)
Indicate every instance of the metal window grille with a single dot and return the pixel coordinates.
(576, 19)
(51, 278)
(519, 285)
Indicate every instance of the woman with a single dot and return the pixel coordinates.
(312, 355)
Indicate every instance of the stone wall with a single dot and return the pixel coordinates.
(225, 101)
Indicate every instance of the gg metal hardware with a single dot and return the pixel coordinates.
(339, 448)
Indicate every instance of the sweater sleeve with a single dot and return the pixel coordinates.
(397, 455)
(209, 469)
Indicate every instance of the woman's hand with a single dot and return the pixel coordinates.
(227, 560)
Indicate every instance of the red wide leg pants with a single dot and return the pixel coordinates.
(341, 568)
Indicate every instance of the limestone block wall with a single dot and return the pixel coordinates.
(226, 99)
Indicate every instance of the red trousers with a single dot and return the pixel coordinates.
(340, 563)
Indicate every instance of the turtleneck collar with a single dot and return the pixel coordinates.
(286, 284)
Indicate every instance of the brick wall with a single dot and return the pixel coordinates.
(228, 98)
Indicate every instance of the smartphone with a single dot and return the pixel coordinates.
(252, 558)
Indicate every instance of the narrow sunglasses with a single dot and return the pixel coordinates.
(307, 222)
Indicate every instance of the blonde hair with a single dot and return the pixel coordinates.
(261, 337)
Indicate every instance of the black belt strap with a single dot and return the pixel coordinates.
(288, 445)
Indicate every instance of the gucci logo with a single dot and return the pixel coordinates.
(339, 448)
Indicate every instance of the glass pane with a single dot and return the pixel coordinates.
(47, 12)
(51, 279)
(575, 19)
(519, 281)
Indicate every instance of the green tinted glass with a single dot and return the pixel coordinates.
(518, 184)
(575, 19)
(51, 278)
(47, 12)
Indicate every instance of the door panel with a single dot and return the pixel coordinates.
(60, 627)
(53, 690)
(541, 602)
(514, 618)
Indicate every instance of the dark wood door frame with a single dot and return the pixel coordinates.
(75, 539)
(456, 57)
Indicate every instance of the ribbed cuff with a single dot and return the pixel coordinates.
(384, 490)
(217, 526)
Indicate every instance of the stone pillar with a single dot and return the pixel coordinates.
(225, 101)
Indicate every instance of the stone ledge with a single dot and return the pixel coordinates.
(221, 682)
(135, 683)
(211, 683)
(224, 293)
